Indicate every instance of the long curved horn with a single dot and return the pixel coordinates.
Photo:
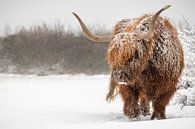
(150, 33)
(88, 34)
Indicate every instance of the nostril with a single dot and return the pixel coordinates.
(120, 76)
(129, 76)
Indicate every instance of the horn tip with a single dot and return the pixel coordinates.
(167, 6)
(73, 13)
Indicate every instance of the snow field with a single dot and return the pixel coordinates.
(70, 102)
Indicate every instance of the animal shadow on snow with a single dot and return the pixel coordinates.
(119, 117)
(116, 117)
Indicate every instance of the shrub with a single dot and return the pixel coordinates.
(51, 50)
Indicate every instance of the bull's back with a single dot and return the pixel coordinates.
(167, 53)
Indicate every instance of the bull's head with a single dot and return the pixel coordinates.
(124, 49)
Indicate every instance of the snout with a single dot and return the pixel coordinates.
(121, 77)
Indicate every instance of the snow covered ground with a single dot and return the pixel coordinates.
(71, 102)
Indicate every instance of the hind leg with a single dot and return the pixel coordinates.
(130, 99)
(159, 104)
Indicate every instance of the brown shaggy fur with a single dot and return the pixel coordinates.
(149, 68)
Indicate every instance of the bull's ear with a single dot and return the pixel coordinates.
(148, 35)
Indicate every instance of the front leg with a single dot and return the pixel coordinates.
(159, 104)
(130, 98)
(144, 104)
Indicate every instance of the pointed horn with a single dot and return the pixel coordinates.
(150, 33)
(88, 34)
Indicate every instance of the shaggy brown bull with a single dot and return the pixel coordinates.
(146, 60)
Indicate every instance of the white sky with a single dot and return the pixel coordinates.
(17, 13)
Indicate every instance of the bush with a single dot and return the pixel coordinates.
(51, 50)
(186, 88)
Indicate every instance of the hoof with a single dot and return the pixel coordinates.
(159, 116)
(132, 112)
(145, 111)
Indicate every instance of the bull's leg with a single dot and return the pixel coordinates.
(130, 99)
(144, 104)
(159, 104)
